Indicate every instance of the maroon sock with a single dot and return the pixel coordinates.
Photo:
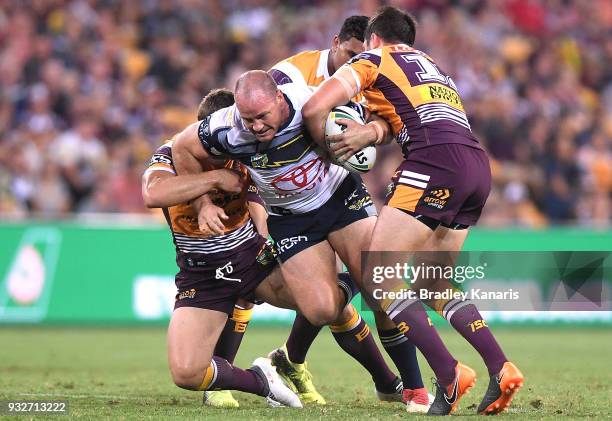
(466, 319)
(355, 339)
(229, 377)
(302, 335)
(233, 332)
(411, 319)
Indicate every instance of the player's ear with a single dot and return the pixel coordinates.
(335, 43)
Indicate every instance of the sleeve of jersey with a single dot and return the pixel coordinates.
(360, 72)
(287, 72)
(213, 132)
(253, 195)
(161, 160)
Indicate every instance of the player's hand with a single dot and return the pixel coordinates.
(354, 138)
(210, 219)
(230, 181)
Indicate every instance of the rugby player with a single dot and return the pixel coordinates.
(442, 160)
(302, 193)
(214, 272)
(311, 68)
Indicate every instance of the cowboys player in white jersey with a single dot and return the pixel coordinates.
(316, 208)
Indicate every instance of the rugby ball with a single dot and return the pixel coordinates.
(362, 161)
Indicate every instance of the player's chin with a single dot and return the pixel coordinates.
(266, 136)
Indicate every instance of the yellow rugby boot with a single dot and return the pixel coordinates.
(297, 377)
(220, 399)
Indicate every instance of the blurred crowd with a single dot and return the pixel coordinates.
(89, 88)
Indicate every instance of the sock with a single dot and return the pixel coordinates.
(411, 319)
(233, 332)
(403, 354)
(466, 319)
(302, 335)
(355, 339)
(221, 375)
(348, 286)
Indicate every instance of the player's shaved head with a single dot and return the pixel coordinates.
(261, 104)
(255, 83)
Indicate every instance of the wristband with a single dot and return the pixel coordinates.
(380, 134)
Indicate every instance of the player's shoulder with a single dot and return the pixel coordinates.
(299, 68)
(304, 56)
(224, 118)
(297, 93)
(162, 158)
(165, 148)
(372, 56)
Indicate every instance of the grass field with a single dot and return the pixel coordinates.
(121, 373)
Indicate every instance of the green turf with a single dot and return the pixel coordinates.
(121, 373)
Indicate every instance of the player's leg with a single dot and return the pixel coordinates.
(351, 236)
(309, 275)
(292, 358)
(400, 231)
(349, 241)
(505, 377)
(234, 330)
(192, 335)
(227, 348)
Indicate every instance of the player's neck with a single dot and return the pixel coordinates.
(330, 64)
(284, 111)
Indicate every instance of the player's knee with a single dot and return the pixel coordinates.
(186, 375)
(322, 313)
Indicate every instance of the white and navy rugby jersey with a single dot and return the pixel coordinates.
(290, 172)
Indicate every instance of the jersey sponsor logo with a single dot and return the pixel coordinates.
(227, 269)
(438, 92)
(287, 243)
(437, 197)
(300, 178)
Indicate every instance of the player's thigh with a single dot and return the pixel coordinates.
(273, 291)
(396, 230)
(440, 251)
(396, 235)
(311, 278)
(192, 335)
(350, 241)
(446, 239)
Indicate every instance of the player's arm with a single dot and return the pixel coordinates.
(346, 83)
(258, 212)
(259, 217)
(161, 189)
(189, 156)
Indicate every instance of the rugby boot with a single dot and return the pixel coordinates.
(502, 388)
(447, 398)
(277, 392)
(417, 401)
(296, 375)
(394, 394)
(220, 399)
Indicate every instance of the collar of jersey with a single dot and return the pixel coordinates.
(291, 114)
